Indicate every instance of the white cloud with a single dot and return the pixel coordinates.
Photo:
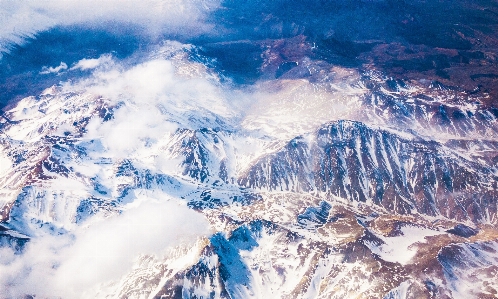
(26, 17)
(70, 266)
(5, 162)
(51, 70)
(155, 98)
(88, 64)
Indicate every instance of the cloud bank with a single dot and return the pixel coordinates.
(153, 99)
(24, 18)
(71, 265)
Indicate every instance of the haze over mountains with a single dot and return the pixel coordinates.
(249, 149)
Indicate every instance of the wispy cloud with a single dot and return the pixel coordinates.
(54, 70)
(89, 64)
(24, 18)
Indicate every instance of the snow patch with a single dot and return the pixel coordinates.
(398, 249)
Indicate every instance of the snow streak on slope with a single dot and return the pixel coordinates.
(398, 172)
(434, 111)
(471, 262)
